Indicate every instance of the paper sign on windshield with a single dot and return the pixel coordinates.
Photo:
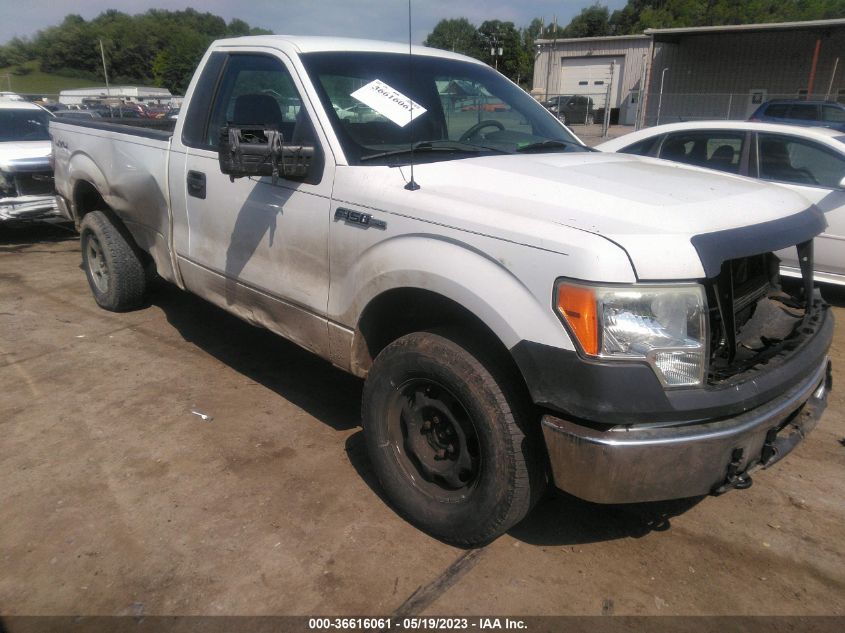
(389, 102)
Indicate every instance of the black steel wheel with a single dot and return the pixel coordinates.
(453, 442)
(435, 440)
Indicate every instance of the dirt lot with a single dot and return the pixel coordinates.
(116, 499)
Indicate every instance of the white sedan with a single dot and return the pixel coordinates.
(26, 176)
(809, 160)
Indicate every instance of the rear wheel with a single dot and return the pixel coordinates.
(448, 438)
(113, 267)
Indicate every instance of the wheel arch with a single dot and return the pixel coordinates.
(86, 198)
(423, 282)
(400, 311)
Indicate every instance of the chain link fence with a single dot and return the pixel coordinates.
(673, 108)
(582, 109)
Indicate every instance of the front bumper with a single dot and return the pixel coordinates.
(685, 460)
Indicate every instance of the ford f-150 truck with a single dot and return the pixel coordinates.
(524, 310)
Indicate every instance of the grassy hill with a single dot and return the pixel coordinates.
(37, 82)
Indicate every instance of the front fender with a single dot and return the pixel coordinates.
(514, 305)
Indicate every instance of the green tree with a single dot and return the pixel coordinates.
(497, 34)
(638, 15)
(593, 21)
(458, 35)
(174, 65)
(159, 45)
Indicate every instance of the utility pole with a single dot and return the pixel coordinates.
(495, 50)
(549, 60)
(829, 86)
(660, 97)
(105, 72)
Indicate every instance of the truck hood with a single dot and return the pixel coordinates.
(674, 221)
(24, 155)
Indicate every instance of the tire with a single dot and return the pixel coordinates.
(449, 439)
(590, 119)
(113, 267)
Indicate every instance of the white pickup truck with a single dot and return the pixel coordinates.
(524, 310)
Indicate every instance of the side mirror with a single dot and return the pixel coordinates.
(248, 150)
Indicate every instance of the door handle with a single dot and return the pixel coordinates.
(196, 184)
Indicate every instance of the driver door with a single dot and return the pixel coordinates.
(256, 247)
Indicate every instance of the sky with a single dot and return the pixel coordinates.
(376, 19)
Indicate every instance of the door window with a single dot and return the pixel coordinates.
(714, 150)
(794, 160)
(777, 110)
(258, 90)
(803, 112)
(255, 89)
(641, 148)
(832, 114)
(196, 118)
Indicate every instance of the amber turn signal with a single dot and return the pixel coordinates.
(577, 305)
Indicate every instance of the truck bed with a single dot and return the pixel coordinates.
(129, 163)
(158, 129)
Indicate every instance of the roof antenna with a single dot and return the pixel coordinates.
(412, 184)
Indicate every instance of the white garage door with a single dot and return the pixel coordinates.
(591, 76)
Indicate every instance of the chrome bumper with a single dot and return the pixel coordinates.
(63, 207)
(28, 207)
(672, 462)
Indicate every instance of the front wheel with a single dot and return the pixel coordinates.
(449, 439)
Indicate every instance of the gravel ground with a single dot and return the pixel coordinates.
(117, 499)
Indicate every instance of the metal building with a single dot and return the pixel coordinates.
(593, 66)
(709, 72)
(725, 72)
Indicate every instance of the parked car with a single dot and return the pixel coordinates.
(797, 112)
(52, 106)
(116, 110)
(26, 177)
(523, 309)
(572, 108)
(359, 113)
(808, 160)
(78, 114)
(484, 104)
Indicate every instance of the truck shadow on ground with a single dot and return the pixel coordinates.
(560, 519)
(17, 237)
(334, 398)
(312, 384)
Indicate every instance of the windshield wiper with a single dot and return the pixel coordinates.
(549, 142)
(434, 146)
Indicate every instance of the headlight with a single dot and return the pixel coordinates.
(663, 325)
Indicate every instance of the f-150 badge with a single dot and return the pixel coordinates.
(363, 220)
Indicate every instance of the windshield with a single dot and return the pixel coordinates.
(23, 125)
(470, 109)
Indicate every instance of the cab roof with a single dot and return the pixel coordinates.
(14, 104)
(321, 44)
